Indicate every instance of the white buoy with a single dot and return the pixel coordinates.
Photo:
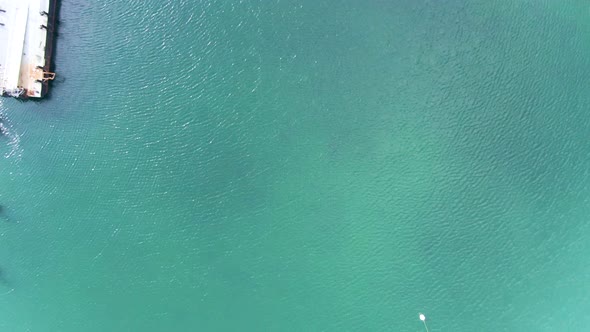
(423, 319)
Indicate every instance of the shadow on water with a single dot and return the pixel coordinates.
(4, 282)
(53, 41)
(3, 214)
(3, 279)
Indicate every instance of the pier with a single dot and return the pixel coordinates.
(26, 40)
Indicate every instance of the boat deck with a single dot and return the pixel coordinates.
(26, 27)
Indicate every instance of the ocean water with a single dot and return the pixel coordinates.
(302, 166)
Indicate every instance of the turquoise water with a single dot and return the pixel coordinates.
(302, 166)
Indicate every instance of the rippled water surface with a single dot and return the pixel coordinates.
(302, 166)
